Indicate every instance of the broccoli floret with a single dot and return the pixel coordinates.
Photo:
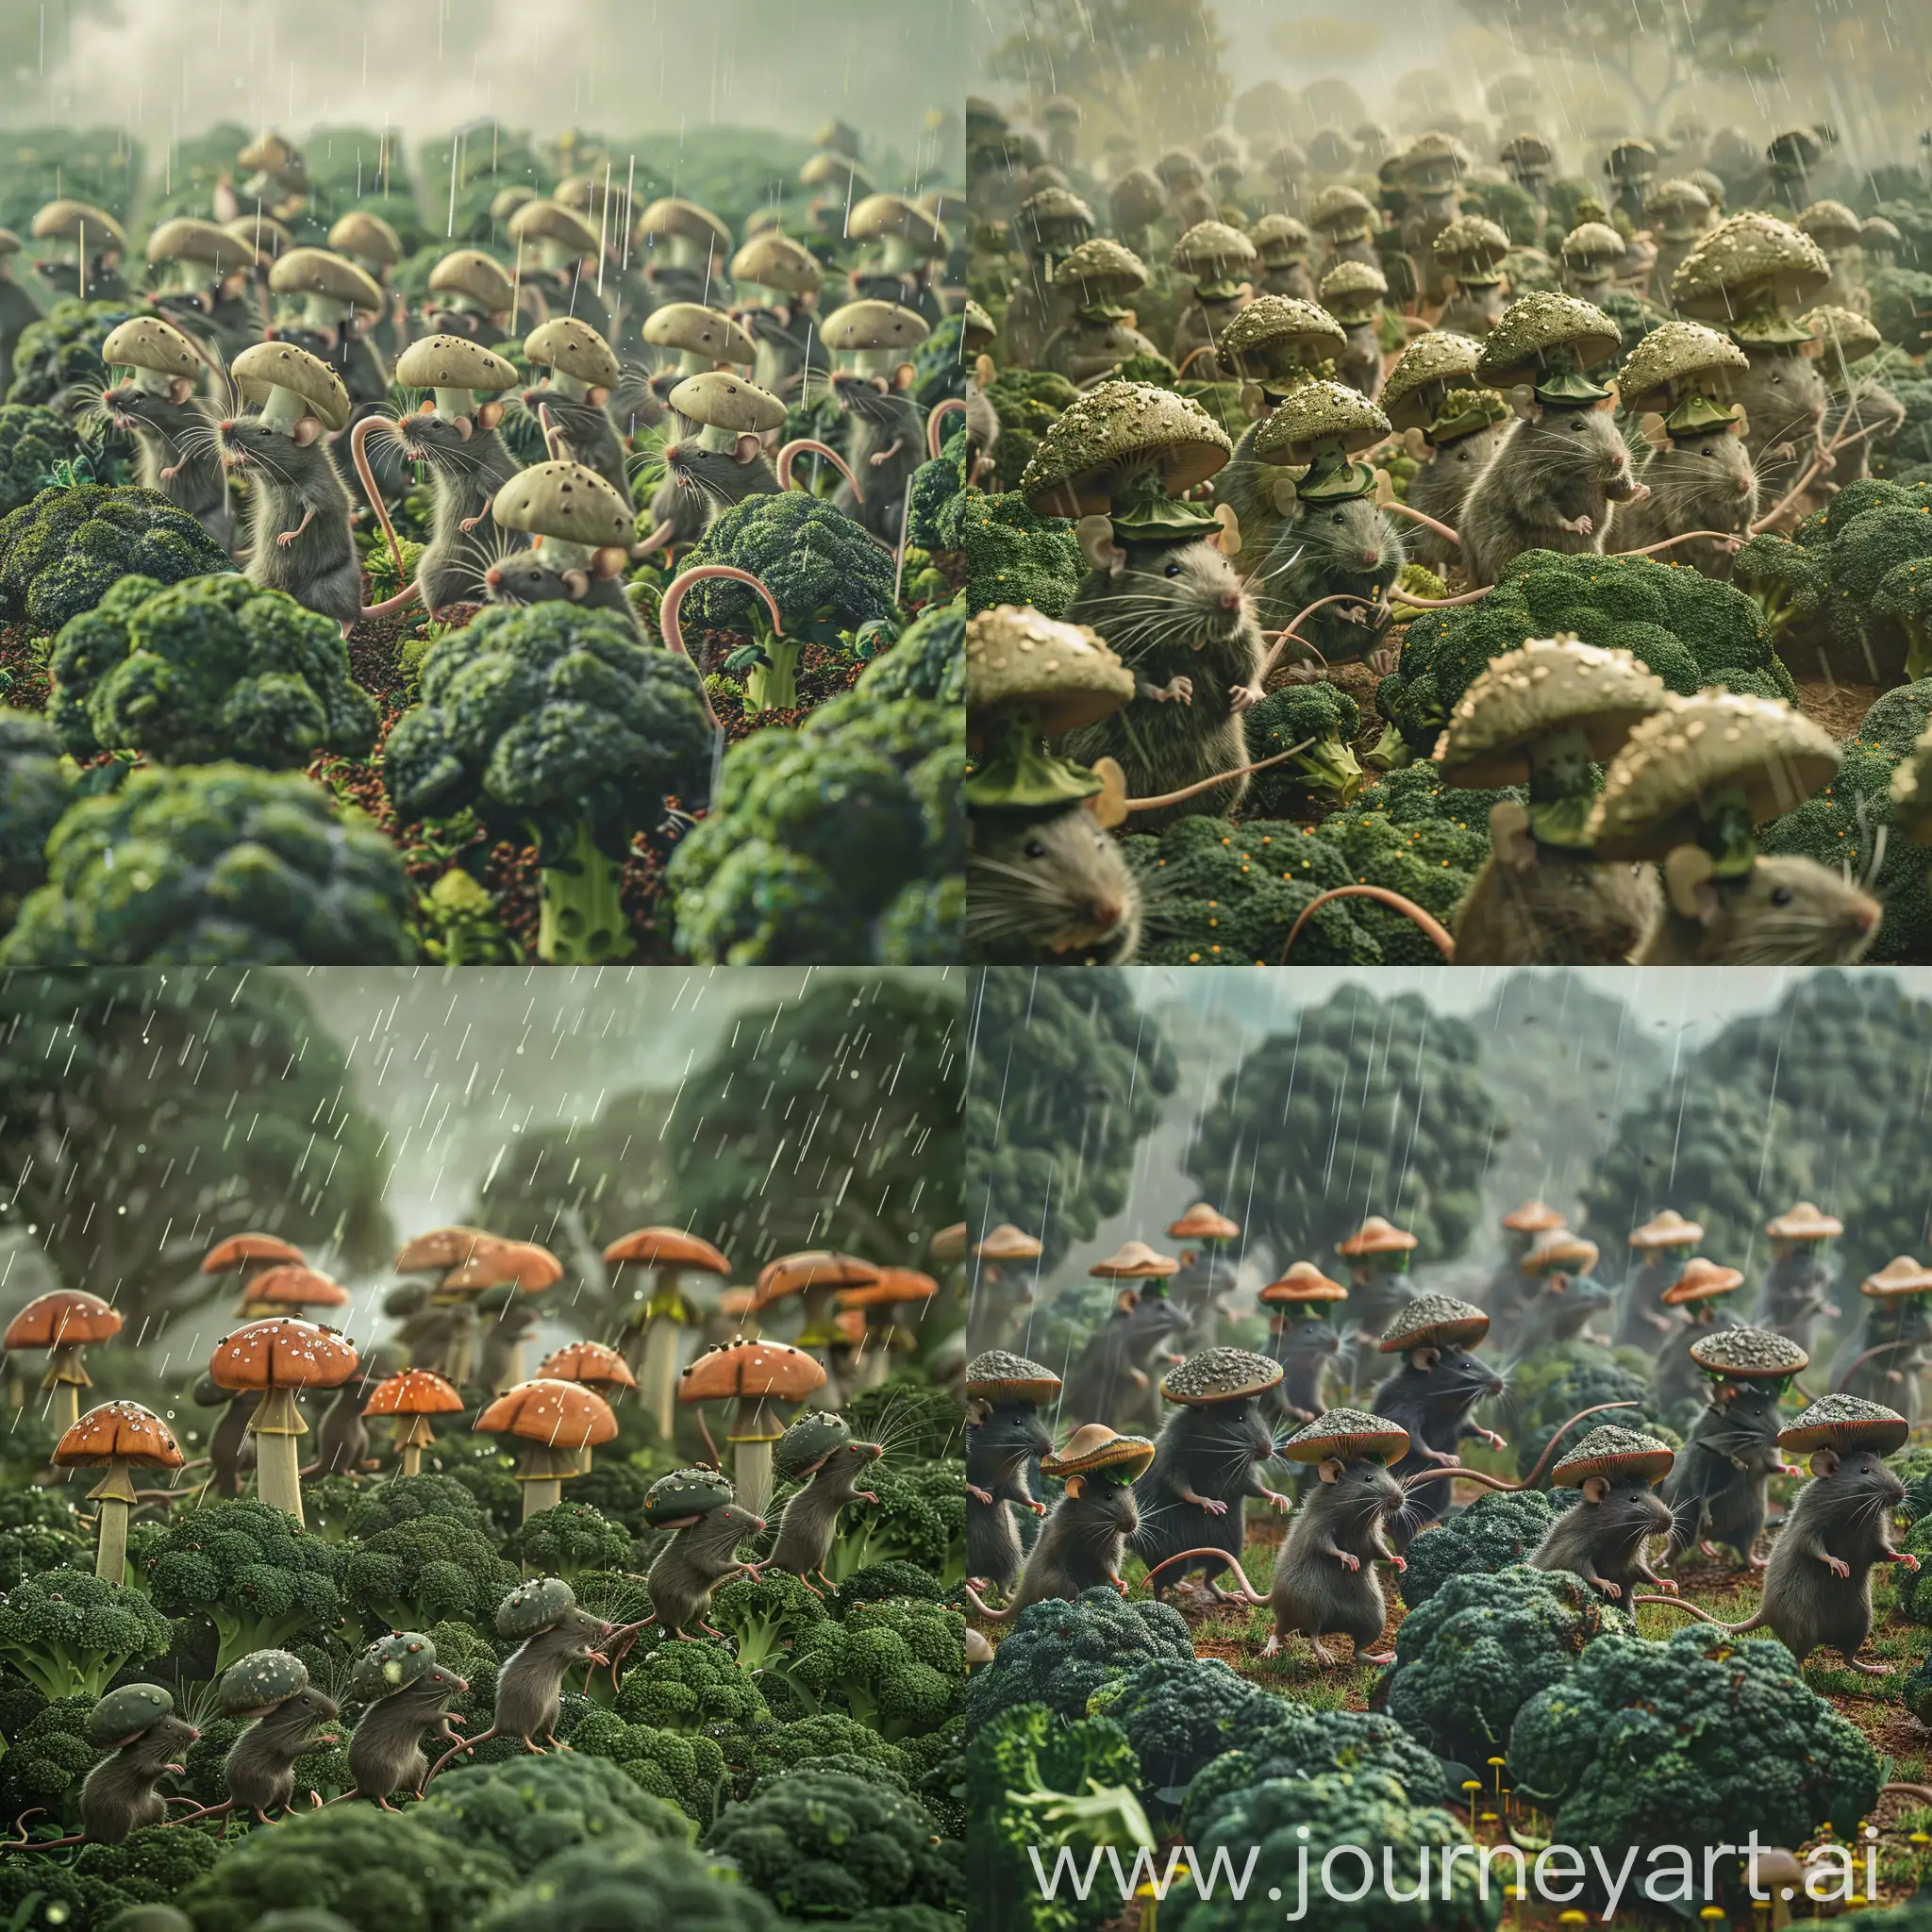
(1028, 403)
(815, 839)
(764, 1616)
(935, 1767)
(920, 1418)
(759, 1752)
(1178, 1716)
(927, 661)
(934, 484)
(255, 1573)
(214, 864)
(823, 571)
(555, 726)
(151, 1864)
(630, 1889)
(1910, 447)
(68, 1633)
(688, 1687)
(1011, 554)
(1294, 715)
(32, 1547)
(63, 552)
(920, 1518)
(406, 1578)
(403, 1498)
(1443, 652)
(34, 443)
(820, 1844)
(899, 1666)
(568, 1539)
(877, 1582)
(196, 672)
(1500, 1529)
(1059, 1652)
(48, 1753)
(616, 1489)
(684, 1768)
(1297, 1742)
(1901, 297)
(61, 352)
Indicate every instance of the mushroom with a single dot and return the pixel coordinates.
(571, 513)
(99, 241)
(1530, 1220)
(997, 1300)
(412, 1396)
(1698, 1288)
(1681, 372)
(997, 1376)
(815, 1274)
(333, 290)
(879, 336)
(1207, 1224)
(190, 253)
(659, 1307)
(1607, 1454)
(1802, 1221)
(511, 1268)
(453, 369)
(879, 1304)
(554, 1422)
(561, 238)
(1340, 1435)
(250, 1254)
(1846, 336)
(290, 1287)
(1749, 1355)
(1093, 1448)
(1592, 254)
(703, 338)
(277, 1357)
(1546, 342)
(596, 1367)
(368, 241)
(1434, 1321)
(1279, 342)
(684, 237)
(1317, 427)
(907, 236)
(1844, 1423)
(64, 1321)
(732, 413)
(262, 233)
(1527, 158)
(473, 283)
(291, 387)
(1900, 1276)
(1747, 274)
(1213, 255)
(1341, 214)
(1353, 292)
(273, 163)
(580, 361)
(777, 262)
(160, 359)
(760, 1377)
(115, 1438)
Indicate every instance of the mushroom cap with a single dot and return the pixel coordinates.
(1377, 1236)
(1675, 353)
(1474, 241)
(590, 1362)
(1900, 1276)
(1830, 224)
(1854, 334)
(1353, 283)
(413, 1391)
(1534, 323)
(262, 234)
(1093, 1446)
(1700, 1281)
(281, 1352)
(390, 1664)
(526, 1265)
(265, 366)
(1279, 239)
(481, 277)
(1434, 155)
(61, 1318)
(506, 200)
(125, 1713)
(833, 164)
(1434, 1320)
(454, 362)
(698, 331)
(295, 1284)
(537, 1604)
(857, 326)
(666, 1247)
(1533, 1217)
(1526, 151)
(808, 1442)
(540, 219)
(1115, 424)
(1592, 245)
(685, 1492)
(1561, 1250)
(365, 233)
(10, 241)
(1099, 260)
(1209, 247)
(188, 239)
(949, 1243)
(1351, 1434)
(1304, 1282)
(812, 1267)
(335, 277)
(441, 1248)
(1053, 206)
(1177, 164)
(1749, 1355)
(1743, 256)
(239, 1249)
(754, 1369)
(1551, 685)
(259, 1681)
(269, 154)
(1613, 1452)
(1202, 1223)
(721, 401)
(877, 217)
(668, 215)
(1219, 1374)
(1696, 746)
(63, 221)
(1441, 355)
(1008, 1243)
(1315, 412)
(1678, 199)
(567, 501)
(1846, 1422)
(1874, 231)
(565, 1415)
(1340, 206)
(1135, 1262)
(1803, 1221)
(1000, 1376)
(151, 341)
(894, 1285)
(574, 347)
(1285, 321)
(776, 261)
(119, 1432)
(1137, 198)
(1667, 1230)
(1062, 672)
(978, 328)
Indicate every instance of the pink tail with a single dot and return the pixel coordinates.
(1438, 933)
(792, 451)
(674, 600)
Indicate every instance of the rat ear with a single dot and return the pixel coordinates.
(1741, 426)
(1424, 1360)
(597, 397)
(1510, 835)
(902, 376)
(1824, 1462)
(611, 561)
(1254, 403)
(1127, 1300)
(179, 389)
(489, 415)
(1690, 885)
(1385, 489)
(1230, 540)
(462, 427)
(1523, 403)
(1330, 1469)
(1108, 806)
(577, 583)
(679, 1523)
(1651, 427)
(983, 370)
(306, 430)
(746, 448)
(1416, 443)
(1095, 537)
(1075, 1484)
(1595, 1488)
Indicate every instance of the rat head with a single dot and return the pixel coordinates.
(718, 1532)
(1625, 1509)
(159, 1747)
(692, 466)
(1302, 1340)
(583, 1636)
(1449, 1378)
(1782, 912)
(253, 447)
(1222, 1435)
(131, 407)
(850, 1461)
(1573, 442)
(1749, 1405)
(428, 436)
(1102, 1502)
(1357, 1487)
(1349, 542)
(875, 398)
(441, 1684)
(1857, 1477)
(1188, 589)
(1014, 1430)
(1052, 885)
(1710, 464)
(525, 576)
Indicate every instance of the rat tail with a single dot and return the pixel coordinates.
(1754, 1621)
(1249, 1594)
(1004, 1616)
(1529, 1481)
(1433, 927)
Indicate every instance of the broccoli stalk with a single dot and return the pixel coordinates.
(771, 662)
(69, 1634)
(582, 919)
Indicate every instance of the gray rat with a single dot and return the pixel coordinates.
(260, 1769)
(230, 1446)
(1305, 1350)
(1560, 1312)
(342, 1437)
(524, 577)
(885, 443)
(1678, 1376)
(1344, 548)
(529, 1682)
(702, 1553)
(118, 1795)
(1793, 1297)
(1717, 1489)
(1785, 401)
(1358, 362)
(1601, 1537)
(1699, 482)
(467, 464)
(1115, 1367)
(1537, 904)
(385, 1754)
(1434, 1396)
(1325, 1573)
(699, 482)
(1001, 1448)
(179, 455)
(1641, 1321)
(298, 515)
(1441, 488)
(1080, 1546)
(584, 432)
(1783, 912)
(1048, 889)
(810, 1517)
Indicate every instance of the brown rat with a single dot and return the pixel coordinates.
(467, 463)
(1002, 1445)
(811, 1518)
(1348, 548)
(1601, 1537)
(1048, 889)
(525, 576)
(180, 456)
(1783, 912)
(1537, 904)
(702, 1553)
(298, 515)
(1441, 486)
(1080, 1546)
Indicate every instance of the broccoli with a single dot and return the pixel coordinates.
(1910, 447)
(688, 1687)
(633, 1889)
(618, 1489)
(152, 1864)
(934, 486)
(936, 1765)
(758, 1752)
(403, 1498)
(1178, 1716)
(60, 355)
(823, 571)
(1643, 1742)
(684, 1768)
(938, 364)
(899, 1667)
(927, 660)
(876, 1582)
(429, 1567)
(555, 726)
(34, 443)
(568, 1539)
(1059, 1652)
(209, 669)
(764, 1616)
(1901, 299)
(818, 844)
(214, 864)
(41, 1544)
(1566, 1378)
(1291, 716)
(820, 1844)
(37, 1892)
(49, 1752)
(920, 1518)
(1500, 1529)
(68, 1633)
(63, 552)
(1011, 556)
(252, 1572)
(1028, 403)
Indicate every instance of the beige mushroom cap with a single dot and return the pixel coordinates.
(566, 500)
(150, 341)
(1852, 334)
(1433, 154)
(867, 324)
(1592, 245)
(1613, 1451)
(261, 233)
(1472, 241)
(776, 261)
(1526, 151)
(727, 402)
(1440, 356)
(269, 153)
(1099, 260)
(10, 243)
(454, 362)
(699, 331)
(187, 238)
(1539, 322)
(361, 232)
(1551, 685)
(574, 347)
(668, 215)
(1209, 247)
(481, 277)
(506, 200)
(1677, 203)
(1064, 672)
(542, 220)
(1115, 423)
(263, 366)
(64, 220)
(1741, 256)
(1676, 353)
(878, 217)
(1355, 284)
(1340, 207)
(1317, 412)
(1279, 239)
(1830, 224)
(1281, 322)
(316, 272)
(1695, 747)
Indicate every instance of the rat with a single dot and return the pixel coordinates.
(1358, 362)
(1783, 912)
(702, 1553)
(342, 1437)
(1793, 1297)
(1559, 1312)
(1552, 484)
(1601, 1537)
(468, 463)
(118, 1795)
(384, 1752)
(1114, 1367)
(260, 1765)
(885, 443)
(1441, 486)
(811, 1516)
(1434, 1395)
(1818, 1583)
(179, 456)
(1325, 1573)
(298, 515)
(1048, 889)
(1678, 1376)
(699, 482)
(524, 577)
(583, 431)
(1080, 1546)
(1305, 1350)
(230, 1447)
(1001, 1448)
(1347, 549)
(1717, 1489)
(1700, 482)
(1643, 1321)
(1537, 904)
(1785, 400)
(529, 1683)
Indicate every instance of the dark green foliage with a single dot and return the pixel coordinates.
(683, 1768)
(1028, 403)
(531, 1808)
(1178, 1716)
(1296, 1743)
(151, 1865)
(934, 484)
(403, 1498)
(1562, 1381)
(48, 1752)
(633, 1889)
(58, 358)
(1901, 299)
(764, 1750)
(33, 441)
(1059, 1652)
(920, 1518)
(877, 1582)
(34, 791)
(688, 1687)
(899, 1666)
(68, 1633)
(568, 1539)
(910, 1416)
(428, 1568)
(44, 1540)
(764, 1616)
(617, 1489)
(1011, 556)
(1293, 715)
(1501, 1527)
(1912, 444)
(825, 572)
(927, 661)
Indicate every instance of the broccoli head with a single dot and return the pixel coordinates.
(49, 1751)
(928, 660)
(1028, 403)
(898, 1666)
(934, 486)
(764, 1616)
(34, 443)
(61, 354)
(34, 791)
(876, 1582)
(631, 1889)
(152, 1864)
(1178, 1716)
(403, 1498)
(684, 1768)
(63, 552)
(1059, 1652)
(920, 1518)
(688, 1687)
(214, 863)
(759, 1752)
(406, 1578)
(1322, 719)
(1011, 554)
(557, 726)
(568, 1539)
(1500, 1529)
(68, 1633)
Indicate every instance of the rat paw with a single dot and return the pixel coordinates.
(1243, 697)
(1838, 1566)
(1350, 1561)
(978, 1494)
(1214, 1506)
(1613, 1591)
(1384, 660)
(286, 537)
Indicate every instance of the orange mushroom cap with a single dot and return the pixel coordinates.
(119, 1432)
(949, 1245)
(413, 1391)
(590, 1362)
(811, 1268)
(1202, 1223)
(1008, 1243)
(894, 1285)
(281, 1352)
(62, 1318)
(666, 1247)
(848, 1325)
(441, 1247)
(241, 1249)
(757, 1369)
(1304, 1282)
(1701, 1280)
(1533, 1217)
(1377, 1236)
(296, 1286)
(1135, 1262)
(497, 1264)
(738, 1301)
(566, 1415)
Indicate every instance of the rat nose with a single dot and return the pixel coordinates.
(1744, 486)
(1496, 1384)
(1107, 913)
(1371, 557)
(225, 424)
(1230, 600)
(494, 577)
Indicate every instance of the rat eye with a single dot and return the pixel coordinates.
(1034, 849)
(1174, 570)
(1780, 895)
(1334, 516)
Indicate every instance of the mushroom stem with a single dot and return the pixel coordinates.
(751, 1473)
(786, 456)
(116, 1495)
(541, 1493)
(275, 1426)
(659, 1372)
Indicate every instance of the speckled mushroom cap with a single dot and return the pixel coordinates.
(260, 1681)
(1900, 1278)
(1676, 357)
(1854, 335)
(1803, 1221)
(1285, 323)
(1177, 164)
(63, 220)
(151, 341)
(1700, 1281)
(1280, 239)
(1008, 1243)
(1102, 262)
(685, 1492)
(829, 169)
(1470, 247)
(1438, 360)
(1000, 1376)
(1698, 746)
(1667, 1230)
(541, 218)
(721, 401)
(1317, 412)
(567, 501)
(126, 1714)
(1534, 325)
(1614, 1452)
(1749, 1355)
(538, 1603)
(1377, 1236)
(1137, 198)
(1592, 245)
(1830, 224)
(574, 347)
(1533, 1217)
(1745, 257)
(1353, 289)
(1678, 207)
(1551, 685)
(1527, 152)
(1304, 1282)
(1351, 1434)
(481, 277)
(1054, 207)
(699, 331)
(1135, 1262)
(1210, 249)
(264, 366)
(443, 362)
(1340, 212)
(365, 233)
(390, 1664)
(1561, 1250)
(1912, 790)
(1433, 158)
(334, 277)
(1064, 673)
(775, 260)
(868, 324)
(118, 1431)
(808, 1442)
(1434, 1321)
(1219, 1374)
(1842, 1423)
(671, 215)
(1116, 425)
(1202, 1222)
(876, 217)
(283, 1353)
(1874, 231)
(1094, 1446)
(269, 153)
(187, 238)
